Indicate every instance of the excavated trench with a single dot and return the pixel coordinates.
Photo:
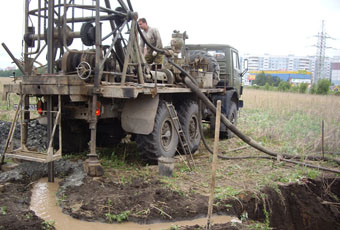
(307, 204)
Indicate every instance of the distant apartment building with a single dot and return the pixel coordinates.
(335, 70)
(268, 62)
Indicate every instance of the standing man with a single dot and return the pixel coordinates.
(154, 38)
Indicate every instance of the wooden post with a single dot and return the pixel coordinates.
(323, 138)
(214, 161)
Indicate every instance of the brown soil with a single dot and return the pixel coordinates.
(147, 201)
(14, 207)
(308, 204)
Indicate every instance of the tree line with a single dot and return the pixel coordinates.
(9, 73)
(268, 82)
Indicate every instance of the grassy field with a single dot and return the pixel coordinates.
(292, 121)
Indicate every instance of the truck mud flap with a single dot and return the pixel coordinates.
(138, 115)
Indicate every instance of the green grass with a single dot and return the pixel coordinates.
(3, 210)
(223, 193)
(117, 217)
(292, 133)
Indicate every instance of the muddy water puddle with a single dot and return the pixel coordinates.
(44, 204)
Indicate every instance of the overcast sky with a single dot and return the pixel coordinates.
(277, 27)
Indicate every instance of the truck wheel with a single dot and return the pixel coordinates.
(188, 116)
(232, 117)
(163, 140)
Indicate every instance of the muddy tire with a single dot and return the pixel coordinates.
(188, 116)
(232, 117)
(163, 140)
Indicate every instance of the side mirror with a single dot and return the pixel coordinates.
(245, 70)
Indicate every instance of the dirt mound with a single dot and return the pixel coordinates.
(308, 204)
(37, 135)
(147, 201)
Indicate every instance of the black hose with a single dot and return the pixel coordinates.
(210, 150)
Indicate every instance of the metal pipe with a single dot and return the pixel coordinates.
(27, 2)
(64, 27)
(89, 19)
(50, 65)
(112, 44)
(93, 123)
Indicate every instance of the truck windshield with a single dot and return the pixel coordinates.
(218, 54)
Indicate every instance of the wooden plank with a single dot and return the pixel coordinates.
(53, 79)
(33, 156)
(213, 164)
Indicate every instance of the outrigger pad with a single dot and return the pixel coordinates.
(93, 168)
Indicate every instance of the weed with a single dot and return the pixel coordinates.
(77, 156)
(228, 206)
(257, 226)
(48, 224)
(109, 202)
(144, 212)
(170, 183)
(222, 193)
(28, 216)
(3, 210)
(61, 197)
(118, 218)
(183, 168)
(174, 227)
(244, 216)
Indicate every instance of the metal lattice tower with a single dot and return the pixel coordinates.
(320, 54)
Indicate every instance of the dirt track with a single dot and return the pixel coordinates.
(306, 204)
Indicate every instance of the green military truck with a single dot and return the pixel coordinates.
(96, 93)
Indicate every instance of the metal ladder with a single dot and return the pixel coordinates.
(181, 135)
(30, 155)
